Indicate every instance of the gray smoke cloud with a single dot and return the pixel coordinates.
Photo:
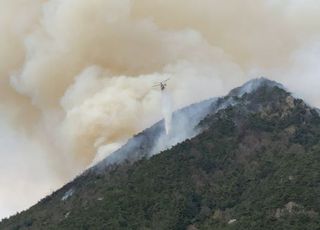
(76, 76)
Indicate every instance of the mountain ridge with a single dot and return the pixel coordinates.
(253, 165)
(191, 114)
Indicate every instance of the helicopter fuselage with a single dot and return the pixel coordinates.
(163, 86)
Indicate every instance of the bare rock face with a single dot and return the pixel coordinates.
(232, 221)
(292, 208)
(289, 208)
(218, 215)
(290, 101)
(192, 227)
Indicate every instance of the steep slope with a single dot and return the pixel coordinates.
(154, 139)
(254, 164)
(184, 125)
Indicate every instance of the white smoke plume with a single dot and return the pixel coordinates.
(76, 76)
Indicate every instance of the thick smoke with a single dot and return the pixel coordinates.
(76, 75)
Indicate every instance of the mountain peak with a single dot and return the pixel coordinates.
(253, 85)
(186, 121)
(253, 162)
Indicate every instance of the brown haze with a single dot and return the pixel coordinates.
(76, 75)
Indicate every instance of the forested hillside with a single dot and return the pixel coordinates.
(254, 165)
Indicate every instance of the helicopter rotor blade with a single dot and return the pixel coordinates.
(161, 82)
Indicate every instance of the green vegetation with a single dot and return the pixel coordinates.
(256, 163)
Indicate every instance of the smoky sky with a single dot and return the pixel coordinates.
(76, 76)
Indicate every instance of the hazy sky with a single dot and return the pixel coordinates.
(76, 75)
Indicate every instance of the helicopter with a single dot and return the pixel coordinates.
(162, 84)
